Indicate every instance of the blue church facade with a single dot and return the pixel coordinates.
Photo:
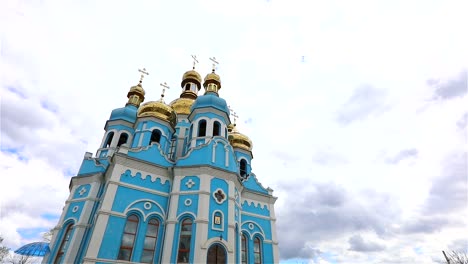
(170, 183)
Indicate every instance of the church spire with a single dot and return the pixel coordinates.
(191, 82)
(212, 81)
(136, 95)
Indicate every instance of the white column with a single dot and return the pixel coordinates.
(171, 222)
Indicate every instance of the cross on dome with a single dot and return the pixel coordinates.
(233, 114)
(195, 61)
(165, 86)
(215, 62)
(143, 73)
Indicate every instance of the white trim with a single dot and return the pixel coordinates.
(253, 234)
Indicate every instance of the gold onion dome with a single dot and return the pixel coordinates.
(182, 105)
(193, 76)
(212, 78)
(137, 89)
(159, 110)
(238, 140)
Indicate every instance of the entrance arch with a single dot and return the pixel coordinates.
(216, 254)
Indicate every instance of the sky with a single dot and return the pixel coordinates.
(357, 110)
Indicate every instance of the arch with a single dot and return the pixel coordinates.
(216, 129)
(244, 249)
(155, 136)
(64, 242)
(187, 87)
(257, 250)
(202, 128)
(185, 240)
(108, 141)
(122, 139)
(127, 243)
(150, 240)
(216, 254)
(243, 168)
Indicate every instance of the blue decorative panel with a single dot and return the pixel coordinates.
(187, 204)
(190, 183)
(82, 191)
(126, 196)
(147, 181)
(91, 166)
(255, 208)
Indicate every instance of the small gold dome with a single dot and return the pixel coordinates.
(212, 78)
(239, 140)
(137, 89)
(159, 110)
(193, 76)
(182, 105)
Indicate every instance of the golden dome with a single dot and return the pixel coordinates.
(193, 76)
(159, 110)
(239, 140)
(182, 105)
(212, 78)
(137, 89)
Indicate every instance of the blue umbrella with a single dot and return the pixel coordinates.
(34, 249)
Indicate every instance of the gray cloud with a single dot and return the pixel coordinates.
(365, 101)
(403, 154)
(326, 211)
(450, 89)
(425, 225)
(357, 243)
(449, 192)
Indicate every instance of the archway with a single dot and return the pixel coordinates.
(216, 255)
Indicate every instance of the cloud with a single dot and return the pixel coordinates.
(357, 243)
(461, 124)
(449, 89)
(403, 154)
(326, 211)
(449, 192)
(365, 101)
(426, 224)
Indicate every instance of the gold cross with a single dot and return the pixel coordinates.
(165, 86)
(195, 61)
(233, 114)
(214, 63)
(143, 72)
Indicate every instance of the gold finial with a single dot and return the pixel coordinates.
(233, 114)
(195, 61)
(165, 86)
(143, 72)
(213, 59)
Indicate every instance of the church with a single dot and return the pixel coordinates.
(170, 183)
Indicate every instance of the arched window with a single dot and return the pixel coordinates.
(122, 139)
(216, 129)
(244, 256)
(128, 238)
(108, 140)
(243, 167)
(184, 241)
(225, 132)
(257, 251)
(202, 128)
(187, 87)
(151, 238)
(64, 244)
(155, 136)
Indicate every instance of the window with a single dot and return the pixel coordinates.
(122, 139)
(128, 238)
(243, 167)
(244, 249)
(257, 251)
(187, 87)
(64, 245)
(184, 241)
(202, 128)
(108, 140)
(216, 128)
(151, 238)
(155, 136)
